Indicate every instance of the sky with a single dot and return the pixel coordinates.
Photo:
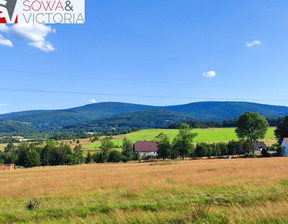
(154, 52)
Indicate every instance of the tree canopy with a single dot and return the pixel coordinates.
(164, 146)
(282, 130)
(251, 127)
(183, 141)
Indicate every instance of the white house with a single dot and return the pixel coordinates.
(285, 144)
(146, 148)
(259, 146)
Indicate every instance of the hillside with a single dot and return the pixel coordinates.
(17, 128)
(128, 121)
(218, 111)
(54, 119)
(101, 116)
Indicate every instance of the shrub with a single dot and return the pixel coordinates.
(99, 157)
(33, 204)
(115, 156)
(280, 151)
(265, 153)
(89, 158)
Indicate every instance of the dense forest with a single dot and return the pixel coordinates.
(273, 122)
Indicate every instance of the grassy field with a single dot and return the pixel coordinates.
(202, 191)
(204, 135)
(2, 147)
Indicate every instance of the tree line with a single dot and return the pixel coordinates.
(250, 128)
(231, 123)
(31, 154)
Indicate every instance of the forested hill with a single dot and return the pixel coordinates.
(58, 118)
(218, 111)
(129, 121)
(202, 111)
(22, 113)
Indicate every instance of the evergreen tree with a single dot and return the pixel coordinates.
(89, 158)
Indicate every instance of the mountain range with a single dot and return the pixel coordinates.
(114, 115)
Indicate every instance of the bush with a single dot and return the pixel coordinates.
(265, 153)
(280, 151)
(33, 204)
(125, 159)
(115, 156)
(99, 157)
(89, 158)
(250, 155)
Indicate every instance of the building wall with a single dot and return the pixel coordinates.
(7, 167)
(286, 147)
(152, 154)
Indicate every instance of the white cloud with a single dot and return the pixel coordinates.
(4, 28)
(5, 42)
(31, 32)
(210, 74)
(35, 34)
(92, 101)
(253, 43)
(43, 45)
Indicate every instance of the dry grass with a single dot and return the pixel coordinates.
(214, 191)
(2, 147)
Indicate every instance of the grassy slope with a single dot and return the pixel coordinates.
(204, 191)
(2, 147)
(204, 135)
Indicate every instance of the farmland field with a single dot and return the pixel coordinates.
(2, 147)
(201, 191)
(204, 135)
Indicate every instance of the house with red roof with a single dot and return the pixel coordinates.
(146, 148)
(285, 144)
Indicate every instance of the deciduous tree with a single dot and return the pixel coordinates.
(251, 127)
(282, 130)
(164, 145)
(127, 149)
(183, 141)
(106, 146)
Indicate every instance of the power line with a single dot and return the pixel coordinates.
(132, 95)
(187, 83)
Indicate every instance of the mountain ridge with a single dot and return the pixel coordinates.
(202, 111)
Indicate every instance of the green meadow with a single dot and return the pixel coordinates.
(209, 135)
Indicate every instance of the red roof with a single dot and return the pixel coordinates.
(286, 140)
(144, 146)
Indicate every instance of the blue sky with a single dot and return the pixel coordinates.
(156, 52)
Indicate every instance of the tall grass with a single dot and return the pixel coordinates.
(208, 191)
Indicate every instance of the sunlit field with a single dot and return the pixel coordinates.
(2, 146)
(209, 135)
(202, 191)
